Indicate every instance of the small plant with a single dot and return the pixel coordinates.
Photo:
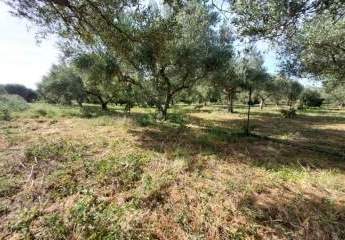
(56, 150)
(54, 227)
(121, 171)
(9, 104)
(41, 112)
(288, 113)
(85, 112)
(63, 182)
(24, 220)
(5, 115)
(7, 187)
(145, 120)
(178, 118)
(95, 218)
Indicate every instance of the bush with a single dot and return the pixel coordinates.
(5, 115)
(290, 113)
(11, 103)
(311, 98)
(42, 112)
(145, 120)
(178, 118)
(2, 90)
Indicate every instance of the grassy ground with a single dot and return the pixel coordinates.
(71, 174)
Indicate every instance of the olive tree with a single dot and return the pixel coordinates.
(62, 85)
(266, 91)
(310, 33)
(176, 54)
(289, 90)
(99, 71)
(253, 75)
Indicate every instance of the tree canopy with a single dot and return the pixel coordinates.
(28, 94)
(155, 51)
(62, 85)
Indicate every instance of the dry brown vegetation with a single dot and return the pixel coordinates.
(67, 175)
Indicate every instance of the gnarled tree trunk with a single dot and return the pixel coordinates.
(231, 96)
(248, 112)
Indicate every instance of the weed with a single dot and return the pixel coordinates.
(94, 218)
(290, 174)
(8, 187)
(63, 182)
(4, 209)
(53, 227)
(291, 113)
(57, 150)
(123, 172)
(23, 222)
(5, 115)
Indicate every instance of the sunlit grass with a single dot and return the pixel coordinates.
(67, 172)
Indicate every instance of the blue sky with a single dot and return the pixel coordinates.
(24, 61)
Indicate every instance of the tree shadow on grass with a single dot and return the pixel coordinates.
(232, 145)
(313, 131)
(93, 111)
(302, 214)
(276, 141)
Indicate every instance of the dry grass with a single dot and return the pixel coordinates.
(112, 176)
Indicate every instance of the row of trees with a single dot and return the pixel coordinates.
(17, 89)
(94, 78)
(157, 52)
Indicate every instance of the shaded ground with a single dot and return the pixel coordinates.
(67, 174)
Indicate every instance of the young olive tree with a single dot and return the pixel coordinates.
(266, 90)
(310, 98)
(253, 76)
(100, 76)
(289, 90)
(335, 91)
(62, 85)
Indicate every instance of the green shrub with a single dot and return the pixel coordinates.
(42, 112)
(24, 220)
(5, 115)
(146, 120)
(11, 103)
(311, 98)
(178, 118)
